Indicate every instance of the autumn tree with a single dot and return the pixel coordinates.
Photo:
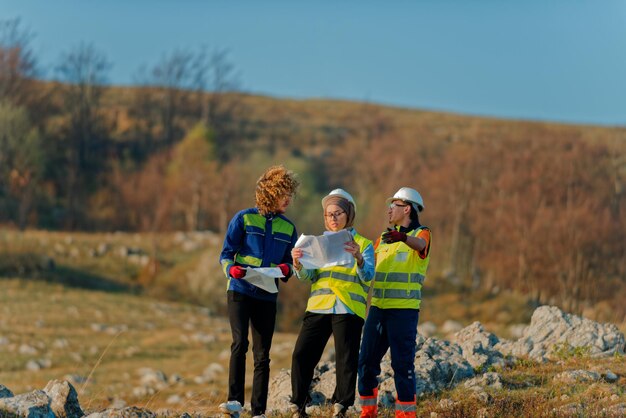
(18, 66)
(217, 87)
(22, 162)
(145, 200)
(163, 92)
(83, 70)
(194, 179)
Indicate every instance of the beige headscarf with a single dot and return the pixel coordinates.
(344, 205)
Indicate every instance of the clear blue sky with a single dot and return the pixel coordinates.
(558, 60)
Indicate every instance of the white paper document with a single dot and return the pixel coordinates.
(263, 277)
(326, 250)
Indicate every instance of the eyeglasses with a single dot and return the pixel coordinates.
(395, 205)
(334, 215)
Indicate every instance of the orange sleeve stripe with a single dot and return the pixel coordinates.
(425, 235)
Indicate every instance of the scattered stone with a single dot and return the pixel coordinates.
(550, 328)
(36, 365)
(27, 350)
(154, 379)
(610, 377)
(175, 379)
(5, 392)
(482, 397)
(102, 249)
(117, 403)
(577, 376)
(214, 369)
(479, 346)
(203, 338)
(280, 391)
(451, 326)
(76, 357)
(427, 329)
(98, 327)
(75, 379)
(491, 380)
(34, 404)
(439, 364)
(224, 355)
(60, 343)
(128, 412)
(64, 399)
(445, 404)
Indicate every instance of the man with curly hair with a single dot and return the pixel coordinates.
(257, 237)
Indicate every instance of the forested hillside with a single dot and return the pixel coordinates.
(534, 207)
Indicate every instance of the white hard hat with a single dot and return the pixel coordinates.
(340, 193)
(409, 195)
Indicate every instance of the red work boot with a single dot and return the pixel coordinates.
(369, 405)
(405, 409)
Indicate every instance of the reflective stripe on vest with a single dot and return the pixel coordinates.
(400, 274)
(344, 277)
(340, 282)
(400, 277)
(397, 294)
(248, 260)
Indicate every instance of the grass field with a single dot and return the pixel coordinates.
(89, 319)
(101, 341)
(109, 337)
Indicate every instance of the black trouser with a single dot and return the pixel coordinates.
(314, 334)
(260, 315)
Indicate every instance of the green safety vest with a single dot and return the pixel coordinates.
(400, 274)
(341, 282)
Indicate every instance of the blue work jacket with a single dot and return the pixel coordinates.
(254, 240)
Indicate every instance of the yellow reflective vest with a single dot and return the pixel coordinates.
(400, 273)
(341, 282)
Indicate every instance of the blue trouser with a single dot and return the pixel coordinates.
(394, 329)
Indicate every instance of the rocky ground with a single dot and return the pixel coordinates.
(562, 365)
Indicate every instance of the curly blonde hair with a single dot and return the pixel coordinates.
(276, 183)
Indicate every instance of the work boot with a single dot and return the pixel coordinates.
(405, 409)
(369, 405)
(339, 411)
(231, 409)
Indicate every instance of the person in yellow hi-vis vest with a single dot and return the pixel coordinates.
(402, 256)
(336, 306)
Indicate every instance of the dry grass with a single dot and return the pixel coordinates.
(108, 337)
(140, 332)
(89, 318)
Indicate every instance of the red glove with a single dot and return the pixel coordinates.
(392, 236)
(286, 270)
(236, 272)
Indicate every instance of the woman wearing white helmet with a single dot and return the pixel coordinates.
(402, 257)
(336, 306)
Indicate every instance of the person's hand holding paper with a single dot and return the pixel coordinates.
(263, 277)
(324, 251)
